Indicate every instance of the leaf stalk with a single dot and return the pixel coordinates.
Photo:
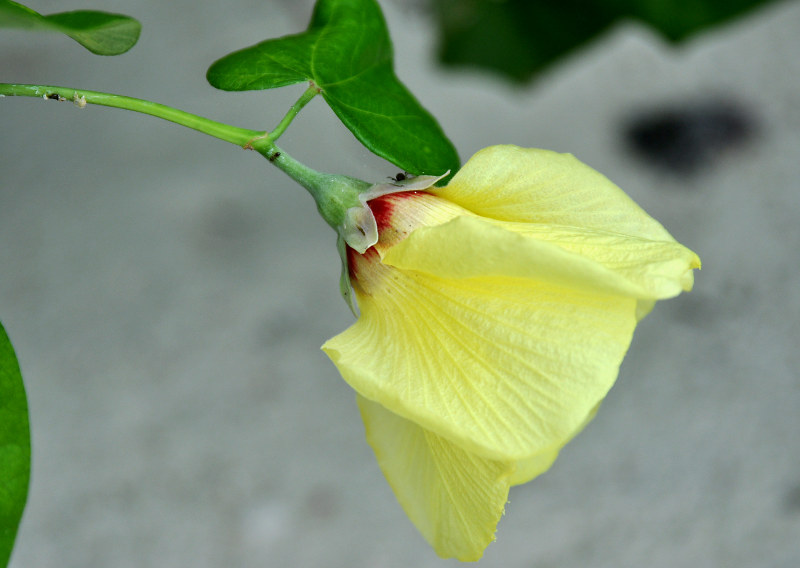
(222, 131)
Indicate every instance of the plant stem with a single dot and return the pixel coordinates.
(309, 94)
(334, 194)
(226, 132)
(307, 177)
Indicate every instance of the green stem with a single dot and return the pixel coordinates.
(226, 132)
(307, 177)
(334, 194)
(310, 93)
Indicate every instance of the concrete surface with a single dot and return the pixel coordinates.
(167, 295)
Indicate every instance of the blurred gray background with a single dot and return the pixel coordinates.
(167, 294)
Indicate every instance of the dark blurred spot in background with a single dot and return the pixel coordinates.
(684, 138)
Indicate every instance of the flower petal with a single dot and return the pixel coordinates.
(510, 183)
(664, 267)
(472, 246)
(505, 367)
(534, 466)
(453, 497)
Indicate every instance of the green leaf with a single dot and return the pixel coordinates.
(99, 32)
(15, 447)
(679, 19)
(518, 38)
(347, 53)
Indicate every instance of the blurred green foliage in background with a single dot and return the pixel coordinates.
(518, 38)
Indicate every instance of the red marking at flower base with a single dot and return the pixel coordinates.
(384, 207)
(397, 215)
(394, 215)
(356, 263)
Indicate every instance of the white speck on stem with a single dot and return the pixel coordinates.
(79, 102)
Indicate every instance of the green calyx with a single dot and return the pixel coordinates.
(337, 197)
(339, 202)
(343, 202)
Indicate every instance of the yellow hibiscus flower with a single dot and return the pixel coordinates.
(494, 315)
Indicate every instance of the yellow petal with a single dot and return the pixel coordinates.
(469, 246)
(504, 367)
(644, 307)
(664, 268)
(453, 497)
(534, 466)
(510, 183)
(527, 469)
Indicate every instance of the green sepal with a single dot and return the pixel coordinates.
(345, 286)
(346, 52)
(15, 447)
(99, 32)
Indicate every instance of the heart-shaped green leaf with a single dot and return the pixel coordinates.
(99, 32)
(15, 447)
(347, 53)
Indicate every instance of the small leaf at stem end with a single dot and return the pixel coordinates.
(99, 32)
(15, 447)
(347, 53)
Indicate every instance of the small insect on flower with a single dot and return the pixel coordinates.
(401, 176)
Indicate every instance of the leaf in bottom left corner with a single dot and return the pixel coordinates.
(15, 447)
